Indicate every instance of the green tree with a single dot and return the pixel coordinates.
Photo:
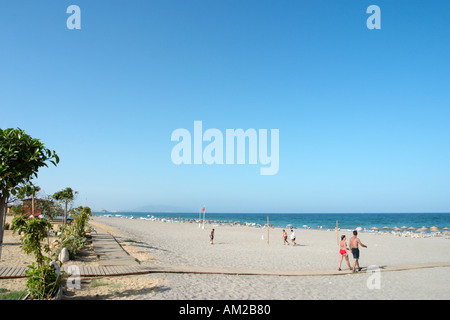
(21, 157)
(50, 208)
(65, 196)
(43, 280)
(34, 231)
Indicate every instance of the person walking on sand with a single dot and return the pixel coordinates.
(293, 237)
(284, 237)
(354, 243)
(343, 252)
(211, 236)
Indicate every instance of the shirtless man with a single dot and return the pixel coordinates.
(354, 242)
(284, 237)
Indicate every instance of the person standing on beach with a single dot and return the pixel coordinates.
(293, 237)
(284, 236)
(211, 236)
(354, 243)
(343, 252)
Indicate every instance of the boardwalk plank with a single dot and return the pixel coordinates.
(3, 270)
(101, 271)
(18, 272)
(125, 270)
(108, 270)
(10, 272)
(92, 271)
(6, 271)
(128, 270)
(95, 271)
(98, 271)
(119, 270)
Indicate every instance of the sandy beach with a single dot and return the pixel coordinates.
(246, 248)
(185, 246)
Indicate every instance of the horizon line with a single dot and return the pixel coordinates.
(424, 212)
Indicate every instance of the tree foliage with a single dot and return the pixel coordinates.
(21, 156)
(66, 195)
(43, 281)
(75, 233)
(34, 231)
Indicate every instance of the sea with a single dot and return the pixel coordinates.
(350, 221)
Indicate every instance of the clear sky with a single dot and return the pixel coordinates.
(363, 115)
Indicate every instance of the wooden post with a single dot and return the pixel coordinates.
(267, 229)
(337, 232)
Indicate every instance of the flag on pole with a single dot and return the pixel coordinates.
(203, 211)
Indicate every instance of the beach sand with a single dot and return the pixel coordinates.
(243, 248)
(246, 248)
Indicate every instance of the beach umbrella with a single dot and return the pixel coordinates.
(421, 229)
(396, 229)
(386, 228)
(374, 228)
(358, 229)
(404, 227)
(445, 228)
(434, 229)
(411, 228)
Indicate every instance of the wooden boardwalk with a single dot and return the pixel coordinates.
(12, 272)
(83, 271)
(102, 271)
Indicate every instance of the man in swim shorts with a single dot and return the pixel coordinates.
(284, 237)
(354, 243)
(211, 236)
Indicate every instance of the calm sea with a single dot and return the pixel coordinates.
(323, 220)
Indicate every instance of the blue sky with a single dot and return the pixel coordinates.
(363, 114)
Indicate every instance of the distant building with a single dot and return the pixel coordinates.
(28, 206)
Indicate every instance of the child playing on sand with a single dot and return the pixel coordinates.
(343, 252)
